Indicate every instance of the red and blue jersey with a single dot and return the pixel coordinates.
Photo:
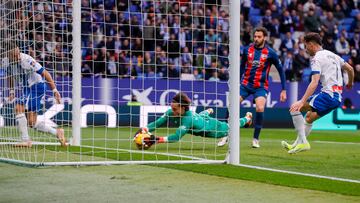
(255, 67)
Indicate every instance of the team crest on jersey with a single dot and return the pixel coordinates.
(263, 56)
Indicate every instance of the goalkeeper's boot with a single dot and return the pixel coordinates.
(286, 145)
(27, 143)
(300, 148)
(223, 141)
(61, 137)
(255, 143)
(248, 117)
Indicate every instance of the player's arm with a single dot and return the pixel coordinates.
(309, 91)
(52, 85)
(158, 122)
(11, 88)
(281, 71)
(350, 71)
(180, 132)
(315, 78)
(10, 79)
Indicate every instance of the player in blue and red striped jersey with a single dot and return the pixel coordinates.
(255, 66)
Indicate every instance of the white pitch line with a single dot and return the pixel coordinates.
(331, 142)
(299, 173)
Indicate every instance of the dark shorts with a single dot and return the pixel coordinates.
(258, 92)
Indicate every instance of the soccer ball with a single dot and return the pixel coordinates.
(141, 139)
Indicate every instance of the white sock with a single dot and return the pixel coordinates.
(308, 128)
(22, 125)
(299, 121)
(40, 126)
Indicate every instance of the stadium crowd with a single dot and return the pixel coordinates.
(189, 39)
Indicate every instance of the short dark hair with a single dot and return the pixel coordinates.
(182, 99)
(313, 37)
(8, 45)
(263, 30)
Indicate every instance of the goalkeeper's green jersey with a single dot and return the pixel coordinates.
(198, 124)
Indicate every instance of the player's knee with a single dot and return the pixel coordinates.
(260, 108)
(309, 118)
(31, 123)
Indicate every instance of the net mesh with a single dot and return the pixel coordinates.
(136, 55)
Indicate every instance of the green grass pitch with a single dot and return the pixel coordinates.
(333, 153)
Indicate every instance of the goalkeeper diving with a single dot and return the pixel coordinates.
(188, 122)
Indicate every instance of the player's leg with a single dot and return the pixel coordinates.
(299, 124)
(247, 120)
(309, 119)
(243, 94)
(34, 106)
(21, 122)
(260, 102)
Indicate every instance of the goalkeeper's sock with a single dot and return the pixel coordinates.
(243, 121)
(299, 122)
(22, 124)
(162, 139)
(41, 126)
(259, 117)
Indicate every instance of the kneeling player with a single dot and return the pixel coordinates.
(198, 124)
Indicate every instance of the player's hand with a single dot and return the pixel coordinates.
(296, 106)
(283, 96)
(57, 96)
(349, 86)
(142, 130)
(210, 110)
(149, 142)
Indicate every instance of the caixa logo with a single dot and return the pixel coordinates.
(145, 98)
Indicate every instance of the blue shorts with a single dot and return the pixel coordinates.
(323, 103)
(258, 92)
(32, 96)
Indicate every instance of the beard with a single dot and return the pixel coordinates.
(259, 43)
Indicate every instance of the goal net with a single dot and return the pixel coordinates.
(117, 65)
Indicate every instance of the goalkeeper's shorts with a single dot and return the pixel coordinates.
(32, 97)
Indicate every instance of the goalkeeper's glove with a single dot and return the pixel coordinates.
(142, 130)
(150, 141)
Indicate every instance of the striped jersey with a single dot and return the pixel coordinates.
(255, 67)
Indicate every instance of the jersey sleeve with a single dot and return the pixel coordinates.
(341, 61)
(315, 66)
(243, 61)
(35, 66)
(181, 130)
(160, 121)
(277, 63)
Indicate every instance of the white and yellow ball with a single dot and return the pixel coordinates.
(140, 139)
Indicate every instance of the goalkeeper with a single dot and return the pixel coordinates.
(26, 79)
(198, 124)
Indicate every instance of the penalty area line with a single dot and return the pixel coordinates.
(331, 142)
(299, 173)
